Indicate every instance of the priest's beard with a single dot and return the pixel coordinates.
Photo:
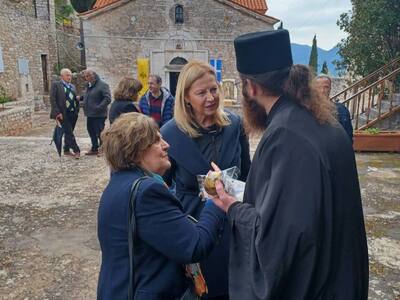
(255, 116)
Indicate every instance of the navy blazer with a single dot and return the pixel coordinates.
(187, 162)
(119, 107)
(167, 239)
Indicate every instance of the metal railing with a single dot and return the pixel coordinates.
(375, 101)
(368, 80)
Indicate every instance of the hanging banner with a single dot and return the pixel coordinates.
(143, 70)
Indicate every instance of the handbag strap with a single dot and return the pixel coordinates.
(132, 232)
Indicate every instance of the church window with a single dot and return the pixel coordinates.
(23, 66)
(217, 65)
(179, 14)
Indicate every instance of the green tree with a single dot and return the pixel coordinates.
(325, 69)
(81, 6)
(373, 28)
(313, 63)
(63, 11)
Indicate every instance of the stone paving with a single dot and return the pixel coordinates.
(48, 237)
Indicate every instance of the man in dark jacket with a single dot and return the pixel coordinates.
(158, 102)
(299, 233)
(65, 109)
(95, 102)
(324, 83)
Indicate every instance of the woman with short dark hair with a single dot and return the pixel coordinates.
(165, 237)
(125, 95)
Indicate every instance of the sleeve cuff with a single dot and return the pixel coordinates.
(210, 205)
(231, 210)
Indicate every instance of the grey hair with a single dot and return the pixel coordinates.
(65, 71)
(157, 78)
(323, 76)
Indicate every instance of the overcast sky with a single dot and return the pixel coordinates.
(304, 18)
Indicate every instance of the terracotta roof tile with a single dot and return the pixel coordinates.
(259, 6)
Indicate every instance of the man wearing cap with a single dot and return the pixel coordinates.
(299, 233)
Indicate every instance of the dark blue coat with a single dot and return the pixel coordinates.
(167, 239)
(187, 162)
(119, 107)
(343, 117)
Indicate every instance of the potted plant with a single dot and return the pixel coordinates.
(4, 98)
(375, 140)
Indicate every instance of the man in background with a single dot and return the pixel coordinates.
(95, 102)
(324, 84)
(158, 102)
(65, 110)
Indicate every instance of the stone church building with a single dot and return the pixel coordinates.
(28, 51)
(165, 34)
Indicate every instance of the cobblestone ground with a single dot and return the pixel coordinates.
(48, 241)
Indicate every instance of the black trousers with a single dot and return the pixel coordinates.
(94, 127)
(68, 126)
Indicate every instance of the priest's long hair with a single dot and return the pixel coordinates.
(296, 84)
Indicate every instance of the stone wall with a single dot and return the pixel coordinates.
(138, 29)
(26, 33)
(67, 38)
(15, 120)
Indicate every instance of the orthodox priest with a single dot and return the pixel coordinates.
(299, 233)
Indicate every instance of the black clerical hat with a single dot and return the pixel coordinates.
(262, 52)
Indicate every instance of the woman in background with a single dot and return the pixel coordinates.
(125, 95)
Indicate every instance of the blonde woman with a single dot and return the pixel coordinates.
(125, 95)
(200, 133)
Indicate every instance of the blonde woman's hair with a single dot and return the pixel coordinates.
(127, 89)
(124, 143)
(183, 113)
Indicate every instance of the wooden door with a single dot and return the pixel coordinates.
(44, 72)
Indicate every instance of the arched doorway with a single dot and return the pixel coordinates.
(176, 64)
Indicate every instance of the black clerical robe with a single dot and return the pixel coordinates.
(300, 232)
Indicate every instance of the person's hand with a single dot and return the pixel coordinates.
(223, 200)
(59, 118)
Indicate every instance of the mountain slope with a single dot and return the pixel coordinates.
(301, 55)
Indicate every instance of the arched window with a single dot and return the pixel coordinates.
(179, 14)
(178, 61)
